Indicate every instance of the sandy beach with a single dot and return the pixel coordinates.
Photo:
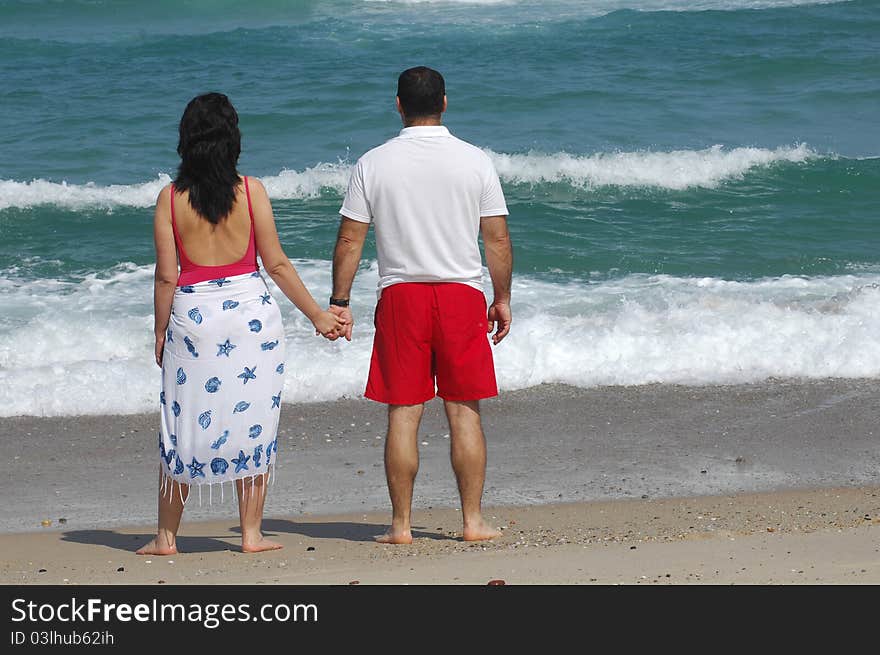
(768, 483)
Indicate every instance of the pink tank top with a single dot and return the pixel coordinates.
(191, 273)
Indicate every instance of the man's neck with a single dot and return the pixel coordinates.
(428, 121)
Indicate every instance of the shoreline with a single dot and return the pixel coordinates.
(604, 485)
(547, 444)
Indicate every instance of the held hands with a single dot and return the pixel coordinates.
(330, 326)
(344, 314)
(499, 312)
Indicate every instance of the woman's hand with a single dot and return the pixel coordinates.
(329, 325)
(160, 347)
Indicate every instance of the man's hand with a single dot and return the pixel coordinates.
(345, 314)
(499, 312)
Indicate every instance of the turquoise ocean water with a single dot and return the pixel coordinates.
(693, 186)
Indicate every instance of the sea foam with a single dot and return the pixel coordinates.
(85, 346)
(678, 169)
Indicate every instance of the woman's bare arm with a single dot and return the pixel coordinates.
(165, 278)
(278, 266)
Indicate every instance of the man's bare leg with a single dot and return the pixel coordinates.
(468, 453)
(170, 510)
(401, 467)
(251, 498)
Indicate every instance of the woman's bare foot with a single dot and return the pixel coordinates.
(260, 545)
(479, 531)
(155, 548)
(395, 537)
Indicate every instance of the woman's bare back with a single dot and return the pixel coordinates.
(206, 244)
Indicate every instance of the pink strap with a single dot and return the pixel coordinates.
(181, 253)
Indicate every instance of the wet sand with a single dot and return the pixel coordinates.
(778, 477)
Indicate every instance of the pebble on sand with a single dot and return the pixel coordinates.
(46, 523)
(355, 582)
(310, 548)
(495, 583)
(120, 569)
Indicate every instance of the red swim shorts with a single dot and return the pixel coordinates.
(427, 331)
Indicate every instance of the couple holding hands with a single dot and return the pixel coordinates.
(219, 336)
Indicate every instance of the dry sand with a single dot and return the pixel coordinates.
(791, 537)
(768, 483)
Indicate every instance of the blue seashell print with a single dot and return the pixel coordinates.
(269, 453)
(205, 419)
(255, 274)
(255, 325)
(175, 407)
(219, 466)
(220, 440)
(258, 453)
(161, 397)
(169, 456)
(255, 431)
(170, 336)
(187, 289)
(212, 385)
(225, 348)
(181, 376)
(173, 439)
(190, 346)
(195, 469)
(241, 461)
(229, 304)
(276, 401)
(219, 281)
(269, 345)
(178, 465)
(248, 374)
(161, 448)
(266, 298)
(195, 315)
(240, 406)
(280, 368)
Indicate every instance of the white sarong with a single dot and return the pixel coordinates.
(222, 376)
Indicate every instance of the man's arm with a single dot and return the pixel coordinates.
(499, 259)
(346, 257)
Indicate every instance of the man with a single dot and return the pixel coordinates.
(429, 196)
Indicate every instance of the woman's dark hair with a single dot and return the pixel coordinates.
(209, 146)
(421, 90)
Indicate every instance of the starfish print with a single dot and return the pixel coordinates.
(219, 281)
(225, 348)
(195, 469)
(248, 374)
(276, 401)
(266, 298)
(241, 461)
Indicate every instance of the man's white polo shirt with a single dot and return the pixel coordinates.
(425, 192)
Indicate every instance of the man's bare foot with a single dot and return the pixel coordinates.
(262, 544)
(154, 548)
(479, 532)
(395, 537)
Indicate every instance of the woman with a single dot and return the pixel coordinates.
(219, 337)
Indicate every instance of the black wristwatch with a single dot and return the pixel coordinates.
(339, 302)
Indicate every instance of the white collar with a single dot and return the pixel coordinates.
(419, 131)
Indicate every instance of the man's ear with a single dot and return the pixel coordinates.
(397, 103)
(444, 105)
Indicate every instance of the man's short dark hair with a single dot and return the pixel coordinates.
(421, 91)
